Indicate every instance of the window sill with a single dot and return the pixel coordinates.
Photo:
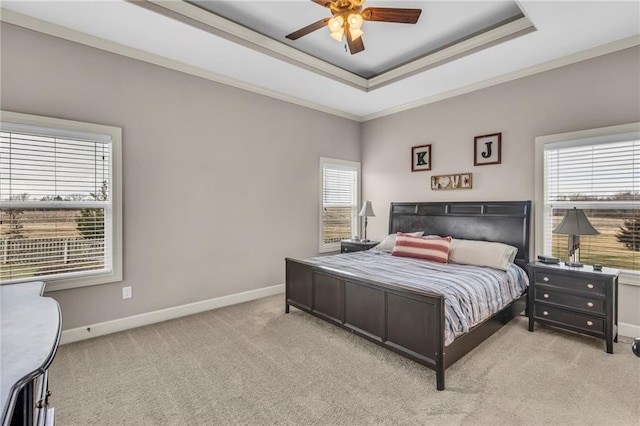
(629, 278)
(83, 281)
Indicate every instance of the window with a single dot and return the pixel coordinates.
(339, 193)
(60, 210)
(597, 171)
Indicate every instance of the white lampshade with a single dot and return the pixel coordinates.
(355, 21)
(367, 210)
(337, 35)
(355, 33)
(335, 24)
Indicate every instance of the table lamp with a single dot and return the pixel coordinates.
(366, 211)
(575, 223)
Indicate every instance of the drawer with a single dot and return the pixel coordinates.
(572, 282)
(584, 323)
(588, 304)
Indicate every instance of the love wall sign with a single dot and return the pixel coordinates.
(457, 181)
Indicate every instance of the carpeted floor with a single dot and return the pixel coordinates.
(252, 364)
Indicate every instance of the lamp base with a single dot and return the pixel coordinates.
(574, 264)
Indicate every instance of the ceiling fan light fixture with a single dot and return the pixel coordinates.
(349, 15)
(335, 24)
(355, 33)
(337, 35)
(355, 21)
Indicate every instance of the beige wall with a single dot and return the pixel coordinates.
(220, 184)
(600, 92)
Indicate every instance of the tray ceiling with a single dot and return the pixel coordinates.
(456, 46)
(387, 45)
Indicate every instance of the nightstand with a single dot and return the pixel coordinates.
(576, 299)
(347, 246)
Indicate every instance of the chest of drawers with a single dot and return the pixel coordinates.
(576, 299)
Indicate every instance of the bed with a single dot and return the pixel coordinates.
(408, 320)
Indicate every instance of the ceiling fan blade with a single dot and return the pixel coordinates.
(355, 46)
(390, 14)
(308, 29)
(323, 3)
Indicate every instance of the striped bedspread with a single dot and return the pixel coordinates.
(472, 293)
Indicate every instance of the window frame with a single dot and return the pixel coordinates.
(601, 134)
(333, 247)
(62, 126)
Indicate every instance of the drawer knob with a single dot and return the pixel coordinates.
(589, 285)
(590, 304)
(546, 295)
(545, 279)
(589, 323)
(545, 313)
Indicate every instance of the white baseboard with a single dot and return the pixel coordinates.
(121, 324)
(628, 330)
(108, 327)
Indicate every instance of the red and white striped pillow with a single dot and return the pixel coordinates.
(435, 249)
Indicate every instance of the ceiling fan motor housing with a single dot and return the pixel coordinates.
(343, 7)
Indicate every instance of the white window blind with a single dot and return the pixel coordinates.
(602, 177)
(56, 208)
(340, 183)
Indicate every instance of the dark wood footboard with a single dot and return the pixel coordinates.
(405, 320)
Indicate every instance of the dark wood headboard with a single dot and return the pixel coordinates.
(502, 221)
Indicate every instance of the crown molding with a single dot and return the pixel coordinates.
(58, 31)
(210, 22)
(99, 43)
(604, 49)
(486, 38)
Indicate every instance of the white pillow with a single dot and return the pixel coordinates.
(390, 241)
(482, 253)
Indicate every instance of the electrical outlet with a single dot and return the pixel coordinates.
(126, 293)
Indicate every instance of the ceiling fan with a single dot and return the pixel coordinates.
(348, 18)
